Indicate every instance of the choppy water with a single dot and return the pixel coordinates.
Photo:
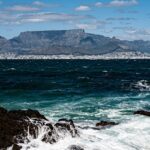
(86, 91)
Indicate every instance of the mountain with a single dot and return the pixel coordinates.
(75, 42)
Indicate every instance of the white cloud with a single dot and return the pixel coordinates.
(122, 3)
(135, 34)
(83, 8)
(99, 4)
(144, 32)
(21, 8)
(86, 26)
(117, 3)
(8, 18)
(120, 19)
(38, 3)
(91, 25)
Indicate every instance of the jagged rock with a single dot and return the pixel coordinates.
(16, 147)
(16, 124)
(64, 124)
(105, 123)
(142, 112)
(75, 147)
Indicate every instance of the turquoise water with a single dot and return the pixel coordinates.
(86, 91)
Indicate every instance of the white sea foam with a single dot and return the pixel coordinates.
(142, 85)
(131, 135)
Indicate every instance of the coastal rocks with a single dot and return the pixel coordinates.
(105, 123)
(142, 112)
(75, 147)
(16, 125)
(67, 125)
(20, 126)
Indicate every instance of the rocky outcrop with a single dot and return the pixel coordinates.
(105, 123)
(17, 125)
(142, 112)
(75, 147)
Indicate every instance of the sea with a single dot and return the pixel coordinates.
(86, 91)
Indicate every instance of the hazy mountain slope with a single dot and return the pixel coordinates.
(75, 42)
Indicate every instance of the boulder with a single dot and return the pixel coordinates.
(68, 125)
(142, 112)
(75, 147)
(105, 123)
(15, 125)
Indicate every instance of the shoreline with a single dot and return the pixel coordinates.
(29, 126)
(71, 57)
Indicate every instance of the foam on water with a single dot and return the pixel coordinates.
(143, 85)
(133, 134)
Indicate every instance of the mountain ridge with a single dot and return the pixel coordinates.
(66, 42)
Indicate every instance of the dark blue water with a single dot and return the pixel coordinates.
(86, 91)
(73, 85)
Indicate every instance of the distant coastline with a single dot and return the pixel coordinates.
(74, 44)
(115, 55)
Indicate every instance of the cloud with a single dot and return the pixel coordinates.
(122, 3)
(21, 8)
(39, 4)
(123, 11)
(131, 33)
(117, 3)
(138, 32)
(99, 4)
(83, 8)
(8, 18)
(123, 28)
(91, 25)
(44, 5)
(120, 19)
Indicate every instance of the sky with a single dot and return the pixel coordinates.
(124, 19)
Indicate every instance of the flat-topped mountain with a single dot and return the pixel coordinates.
(75, 42)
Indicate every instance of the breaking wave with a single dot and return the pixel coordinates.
(133, 134)
(142, 85)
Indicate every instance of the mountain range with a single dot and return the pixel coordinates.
(66, 42)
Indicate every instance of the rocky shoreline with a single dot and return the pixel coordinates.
(17, 126)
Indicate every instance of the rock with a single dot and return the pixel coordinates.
(68, 125)
(16, 124)
(142, 112)
(105, 123)
(16, 147)
(75, 147)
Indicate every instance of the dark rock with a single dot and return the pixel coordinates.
(16, 147)
(75, 147)
(142, 112)
(25, 114)
(15, 125)
(105, 123)
(88, 127)
(68, 125)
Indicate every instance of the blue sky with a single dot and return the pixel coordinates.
(124, 19)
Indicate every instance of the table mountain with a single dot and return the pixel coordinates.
(75, 42)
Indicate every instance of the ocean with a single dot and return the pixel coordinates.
(87, 91)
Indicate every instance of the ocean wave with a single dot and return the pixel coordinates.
(142, 85)
(132, 135)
